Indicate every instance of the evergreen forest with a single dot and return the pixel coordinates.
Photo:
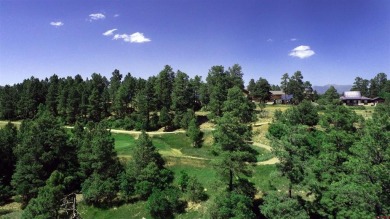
(172, 146)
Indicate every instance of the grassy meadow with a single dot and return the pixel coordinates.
(180, 156)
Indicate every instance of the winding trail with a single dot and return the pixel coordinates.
(271, 161)
(149, 133)
(178, 153)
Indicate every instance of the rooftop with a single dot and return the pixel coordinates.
(277, 92)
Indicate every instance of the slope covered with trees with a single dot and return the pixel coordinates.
(336, 164)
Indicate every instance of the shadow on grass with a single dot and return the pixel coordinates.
(5, 211)
(257, 203)
(202, 119)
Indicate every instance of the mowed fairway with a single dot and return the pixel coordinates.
(180, 157)
(168, 145)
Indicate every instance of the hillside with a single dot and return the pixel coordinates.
(340, 88)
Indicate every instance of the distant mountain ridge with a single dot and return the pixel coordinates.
(340, 88)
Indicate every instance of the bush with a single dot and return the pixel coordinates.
(164, 203)
(98, 191)
(5, 193)
(195, 190)
(277, 130)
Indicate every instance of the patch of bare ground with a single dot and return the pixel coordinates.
(10, 210)
(187, 160)
(207, 126)
(271, 161)
(260, 131)
(193, 206)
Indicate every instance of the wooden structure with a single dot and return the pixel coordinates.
(280, 97)
(69, 205)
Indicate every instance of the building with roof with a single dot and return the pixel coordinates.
(354, 98)
(280, 97)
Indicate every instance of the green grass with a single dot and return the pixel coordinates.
(11, 214)
(135, 210)
(205, 174)
(175, 149)
(124, 143)
(263, 154)
(16, 123)
(267, 176)
(182, 143)
(176, 145)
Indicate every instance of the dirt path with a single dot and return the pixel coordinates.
(257, 144)
(179, 154)
(149, 133)
(119, 131)
(271, 161)
(261, 123)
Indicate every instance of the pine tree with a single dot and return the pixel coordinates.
(181, 96)
(235, 75)
(239, 106)
(99, 165)
(146, 103)
(115, 83)
(296, 87)
(195, 88)
(285, 82)
(48, 201)
(98, 98)
(331, 95)
(52, 95)
(194, 133)
(8, 142)
(163, 86)
(231, 139)
(165, 119)
(261, 90)
(145, 171)
(43, 144)
(218, 85)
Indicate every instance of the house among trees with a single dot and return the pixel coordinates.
(280, 97)
(353, 98)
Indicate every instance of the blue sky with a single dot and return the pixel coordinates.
(330, 42)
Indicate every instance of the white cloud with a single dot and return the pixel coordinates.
(97, 16)
(133, 38)
(56, 23)
(109, 32)
(301, 52)
(116, 15)
(270, 40)
(293, 39)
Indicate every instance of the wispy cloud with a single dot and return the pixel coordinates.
(270, 40)
(56, 23)
(133, 38)
(301, 52)
(293, 39)
(109, 32)
(96, 16)
(116, 15)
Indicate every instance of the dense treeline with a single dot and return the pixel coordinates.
(166, 100)
(127, 101)
(375, 87)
